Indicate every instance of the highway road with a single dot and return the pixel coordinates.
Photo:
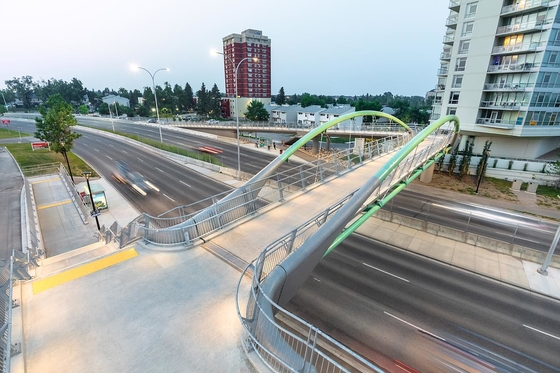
(385, 302)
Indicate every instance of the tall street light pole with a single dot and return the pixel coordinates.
(155, 95)
(235, 68)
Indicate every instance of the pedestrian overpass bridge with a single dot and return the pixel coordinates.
(308, 210)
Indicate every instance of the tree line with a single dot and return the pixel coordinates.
(177, 99)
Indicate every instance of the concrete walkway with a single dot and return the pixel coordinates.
(175, 311)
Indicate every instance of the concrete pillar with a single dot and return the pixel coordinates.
(328, 145)
(316, 145)
(426, 176)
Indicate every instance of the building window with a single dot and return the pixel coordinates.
(471, 10)
(460, 64)
(457, 81)
(454, 98)
(464, 46)
(467, 28)
(451, 110)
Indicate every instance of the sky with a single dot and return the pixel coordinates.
(351, 47)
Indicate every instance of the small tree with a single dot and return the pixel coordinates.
(553, 168)
(481, 168)
(83, 109)
(452, 162)
(55, 126)
(281, 97)
(466, 161)
(256, 111)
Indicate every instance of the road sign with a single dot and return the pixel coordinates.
(5, 121)
(95, 213)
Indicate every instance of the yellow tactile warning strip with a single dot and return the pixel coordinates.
(45, 181)
(54, 204)
(83, 270)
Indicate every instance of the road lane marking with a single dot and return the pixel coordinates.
(414, 326)
(109, 157)
(125, 152)
(45, 181)
(540, 331)
(387, 273)
(182, 182)
(172, 200)
(96, 149)
(159, 169)
(139, 159)
(316, 279)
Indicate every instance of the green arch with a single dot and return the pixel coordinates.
(322, 128)
(393, 163)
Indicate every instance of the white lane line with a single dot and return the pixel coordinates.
(139, 159)
(96, 149)
(109, 157)
(124, 151)
(540, 331)
(165, 195)
(414, 326)
(387, 273)
(159, 169)
(316, 279)
(182, 182)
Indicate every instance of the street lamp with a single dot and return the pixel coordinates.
(482, 168)
(87, 175)
(255, 59)
(155, 96)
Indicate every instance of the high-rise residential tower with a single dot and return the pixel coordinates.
(253, 78)
(500, 74)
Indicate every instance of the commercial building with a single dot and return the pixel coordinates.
(500, 74)
(249, 53)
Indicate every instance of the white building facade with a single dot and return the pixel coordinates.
(500, 74)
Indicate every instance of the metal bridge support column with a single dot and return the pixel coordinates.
(426, 176)
(316, 145)
(328, 144)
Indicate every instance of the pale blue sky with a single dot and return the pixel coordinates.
(352, 48)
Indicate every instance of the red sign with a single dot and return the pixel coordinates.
(39, 145)
(5, 121)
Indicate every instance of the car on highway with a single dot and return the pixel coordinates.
(138, 183)
(152, 120)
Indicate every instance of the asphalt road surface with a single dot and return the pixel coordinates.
(383, 302)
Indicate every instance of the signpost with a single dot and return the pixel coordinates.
(39, 145)
(5, 121)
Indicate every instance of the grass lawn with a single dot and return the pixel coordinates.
(6, 133)
(26, 157)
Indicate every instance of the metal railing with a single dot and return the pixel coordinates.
(185, 224)
(83, 210)
(277, 346)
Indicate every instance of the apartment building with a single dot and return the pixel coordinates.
(248, 54)
(500, 74)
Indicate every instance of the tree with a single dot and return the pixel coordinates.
(83, 109)
(3, 109)
(103, 109)
(215, 102)
(55, 126)
(281, 97)
(256, 111)
(143, 111)
(466, 160)
(342, 100)
(190, 104)
(203, 104)
(24, 89)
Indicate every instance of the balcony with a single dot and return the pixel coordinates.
(454, 5)
(440, 87)
(445, 56)
(443, 71)
(517, 48)
(496, 123)
(524, 6)
(448, 39)
(511, 68)
(520, 28)
(452, 22)
(503, 105)
(507, 86)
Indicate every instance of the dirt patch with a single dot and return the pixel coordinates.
(489, 188)
(549, 202)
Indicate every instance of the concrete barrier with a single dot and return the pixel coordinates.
(502, 247)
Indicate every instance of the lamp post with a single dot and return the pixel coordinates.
(482, 169)
(5, 104)
(155, 95)
(87, 175)
(111, 115)
(235, 68)
(65, 155)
